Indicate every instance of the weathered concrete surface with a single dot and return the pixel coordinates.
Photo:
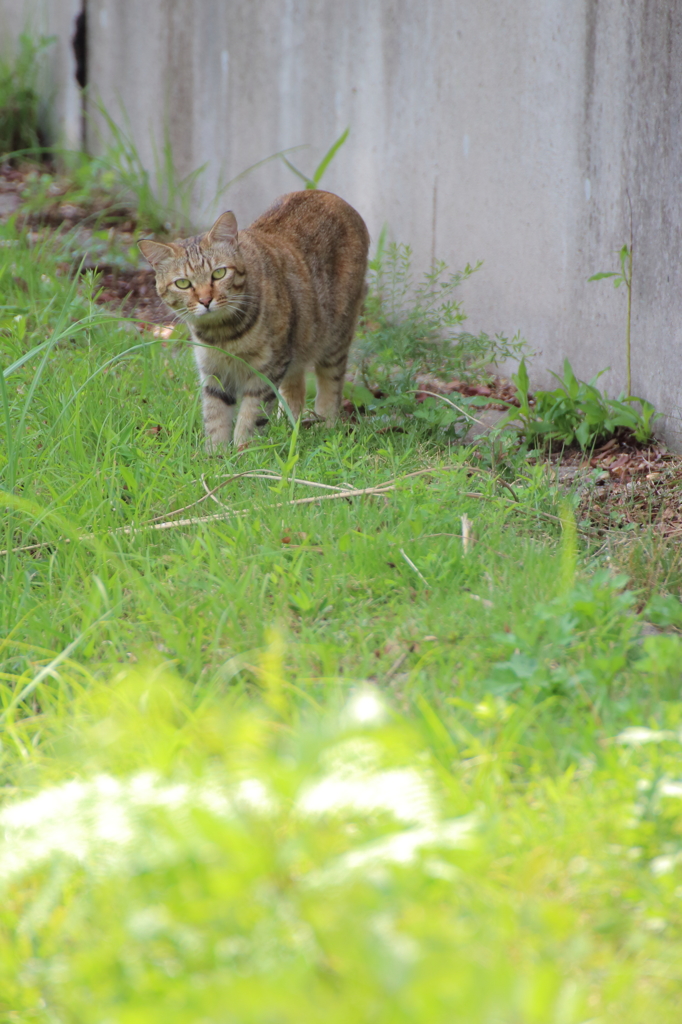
(516, 133)
(63, 107)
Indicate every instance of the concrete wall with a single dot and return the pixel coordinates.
(512, 132)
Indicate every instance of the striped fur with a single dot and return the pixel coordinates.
(289, 300)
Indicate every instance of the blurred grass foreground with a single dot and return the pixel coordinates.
(219, 864)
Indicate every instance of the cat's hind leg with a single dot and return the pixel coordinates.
(330, 388)
(292, 390)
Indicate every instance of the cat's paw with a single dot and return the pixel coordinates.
(215, 447)
(242, 439)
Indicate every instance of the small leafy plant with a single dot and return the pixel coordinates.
(410, 329)
(314, 181)
(19, 98)
(115, 189)
(162, 199)
(577, 412)
(623, 276)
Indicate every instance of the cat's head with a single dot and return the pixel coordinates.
(201, 275)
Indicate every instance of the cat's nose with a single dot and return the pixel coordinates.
(206, 302)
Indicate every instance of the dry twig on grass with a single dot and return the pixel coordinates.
(159, 523)
(412, 566)
(434, 394)
(466, 533)
(230, 479)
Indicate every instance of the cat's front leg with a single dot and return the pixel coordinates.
(218, 407)
(249, 414)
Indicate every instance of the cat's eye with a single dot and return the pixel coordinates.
(220, 272)
(182, 282)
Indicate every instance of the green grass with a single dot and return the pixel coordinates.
(20, 102)
(252, 656)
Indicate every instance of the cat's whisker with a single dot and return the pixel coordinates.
(242, 302)
(239, 312)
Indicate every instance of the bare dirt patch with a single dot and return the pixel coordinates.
(132, 293)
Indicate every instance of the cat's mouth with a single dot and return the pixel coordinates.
(201, 310)
(216, 311)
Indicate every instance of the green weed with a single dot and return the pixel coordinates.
(653, 563)
(20, 102)
(409, 329)
(577, 412)
(623, 276)
(161, 198)
(314, 181)
(163, 201)
(115, 189)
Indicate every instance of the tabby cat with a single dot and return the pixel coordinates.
(282, 295)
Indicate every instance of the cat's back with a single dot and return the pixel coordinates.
(313, 246)
(318, 223)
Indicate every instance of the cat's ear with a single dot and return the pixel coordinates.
(224, 230)
(156, 252)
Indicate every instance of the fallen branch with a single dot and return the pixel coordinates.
(209, 493)
(398, 663)
(434, 394)
(193, 504)
(169, 524)
(466, 533)
(385, 488)
(217, 516)
(412, 566)
(429, 536)
(236, 476)
(309, 483)
(496, 478)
